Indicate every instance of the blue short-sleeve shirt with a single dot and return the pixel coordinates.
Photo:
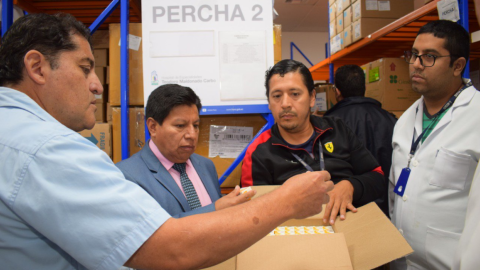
(63, 203)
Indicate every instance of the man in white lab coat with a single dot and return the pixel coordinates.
(435, 148)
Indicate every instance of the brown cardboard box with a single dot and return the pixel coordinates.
(340, 7)
(101, 57)
(277, 42)
(101, 74)
(332, 12)
(397, 113)
(100, 112)
(325, 101)
(339, 23)
(100, 39)
(108, 113)
(135, 72)
(381, 9)
(366, 26)
(347, 36)
(364, 240)
(331, 2)
(136, 122)
(221, 164)
(347, 17)
(101, 136)
(336, 43)
(389, 82)
(346, 3)
(333, 28)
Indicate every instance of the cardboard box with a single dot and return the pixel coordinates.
(346, 3)
(135, 71)
(136, 123)
(347, 17)
(347, 36)
(340, 6)
(397, 113)
(101, 136)
(331, 2)
(100, 113)
(339, 23)
(332, 12)
(389, 82)
(336, 43)
(366, 26)
(256, 121)
(277, 43)
(392, 9)
(333, 28)
(325, 97)
(364, 240)
(101, 74)
(101, 57)
(100, 39)
(108, 113)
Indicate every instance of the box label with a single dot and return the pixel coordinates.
(228, 141)
(374, 74)
(448, 10)
(356, 11)
(357, 31)
(320, 102)
(384, 5)
(133, 42)
(371, 5)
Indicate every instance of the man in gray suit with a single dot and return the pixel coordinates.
(182, 182)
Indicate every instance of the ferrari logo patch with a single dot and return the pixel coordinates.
(329, 146)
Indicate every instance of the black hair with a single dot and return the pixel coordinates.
(350, 81)
(166, 97)
(48, 34)
(286, 66)
(457, 39)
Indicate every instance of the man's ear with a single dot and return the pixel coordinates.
(458, 66)
(35, 66)
(151, 125)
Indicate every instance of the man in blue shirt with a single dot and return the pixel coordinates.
(64, 204)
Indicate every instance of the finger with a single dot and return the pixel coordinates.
(343, 210)
(330, 185)
(235, 191)
(326, 198)
(335, 209)
(351, 207)
(328, 209)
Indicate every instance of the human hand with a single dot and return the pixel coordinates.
(340, 200)
(234, 198)
(307, 192)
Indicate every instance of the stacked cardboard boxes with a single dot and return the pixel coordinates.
(356, 19)
(388, 81)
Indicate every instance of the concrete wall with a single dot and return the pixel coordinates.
(312, 44)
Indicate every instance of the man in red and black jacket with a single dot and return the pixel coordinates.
(292, 145)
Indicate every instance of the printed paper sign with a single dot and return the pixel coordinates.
(228, 141)
(371, 5)
(448, 10)
(133, 42)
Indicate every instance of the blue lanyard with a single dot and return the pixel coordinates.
(414, 147)
(405, 174)
(320, 154)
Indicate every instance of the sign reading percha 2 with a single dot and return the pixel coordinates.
(206, 13)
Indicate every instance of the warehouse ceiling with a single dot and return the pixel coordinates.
(294, 15)
(302, 15)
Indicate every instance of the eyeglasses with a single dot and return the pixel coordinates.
(426, 60)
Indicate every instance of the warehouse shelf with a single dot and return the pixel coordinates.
(389, 41)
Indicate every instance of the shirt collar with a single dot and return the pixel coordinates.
(165, 162)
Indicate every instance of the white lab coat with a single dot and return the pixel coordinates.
(467, 257)
(431, 213)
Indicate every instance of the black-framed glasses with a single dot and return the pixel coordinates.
(426, 60)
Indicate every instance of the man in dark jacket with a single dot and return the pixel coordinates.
(301, 142)
(365, 117)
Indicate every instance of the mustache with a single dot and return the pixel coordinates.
(288, 112)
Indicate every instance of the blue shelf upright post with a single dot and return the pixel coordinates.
(7, 15)
(124, 22)
(463, 8)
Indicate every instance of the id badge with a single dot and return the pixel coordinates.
(402, 182)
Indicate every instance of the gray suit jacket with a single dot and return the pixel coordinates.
(144, 169)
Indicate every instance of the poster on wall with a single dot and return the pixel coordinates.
(219, 48)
